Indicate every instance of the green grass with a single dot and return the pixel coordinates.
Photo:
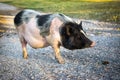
(103, 10)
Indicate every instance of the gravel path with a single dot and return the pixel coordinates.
(8, 9)
(101, 62)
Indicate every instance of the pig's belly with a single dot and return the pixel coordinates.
(35, 40)
(32, 35)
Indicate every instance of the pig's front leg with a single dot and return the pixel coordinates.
(58, 56)
(56, 47)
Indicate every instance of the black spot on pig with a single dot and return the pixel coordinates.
(18, 18)
(72, 37)
(41, 20)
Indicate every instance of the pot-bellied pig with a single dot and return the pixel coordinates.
(42, 30)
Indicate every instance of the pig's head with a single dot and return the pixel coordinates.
(74, 37)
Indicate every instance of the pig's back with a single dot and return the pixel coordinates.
(42, 22)
(24, 16)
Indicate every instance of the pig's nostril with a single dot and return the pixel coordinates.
(93, 44)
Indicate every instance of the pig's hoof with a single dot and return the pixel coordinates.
(25, 57)
(61, 61)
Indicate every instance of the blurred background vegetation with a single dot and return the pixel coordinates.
(102, 10)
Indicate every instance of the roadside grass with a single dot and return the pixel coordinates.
(102, 10)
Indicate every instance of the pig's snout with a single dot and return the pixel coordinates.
(93, 44)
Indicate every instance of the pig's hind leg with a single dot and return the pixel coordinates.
(23, 44)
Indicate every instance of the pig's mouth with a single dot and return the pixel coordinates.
(73, 47)
(91, 45)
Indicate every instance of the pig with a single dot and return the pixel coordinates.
(42, 30)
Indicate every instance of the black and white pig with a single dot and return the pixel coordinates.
(42, 30)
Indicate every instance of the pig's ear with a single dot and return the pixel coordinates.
(69, 30)
(80, 25)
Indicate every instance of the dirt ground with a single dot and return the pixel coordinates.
(101, 62)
